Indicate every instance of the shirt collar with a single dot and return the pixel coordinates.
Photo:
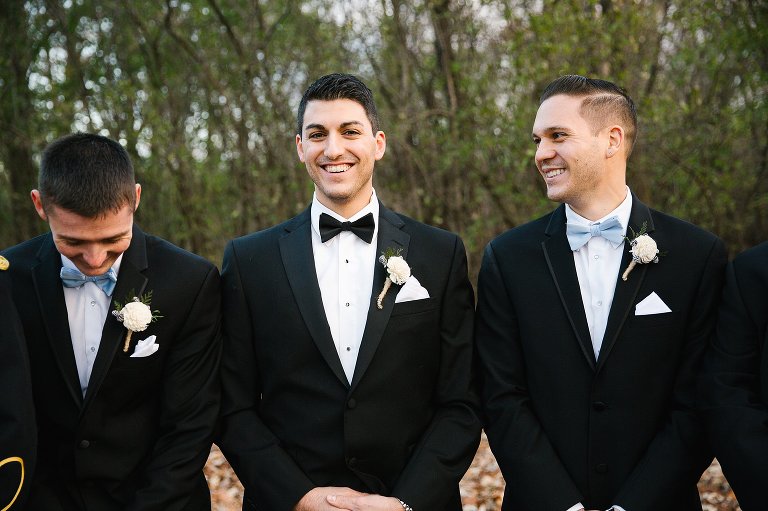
(317, 208)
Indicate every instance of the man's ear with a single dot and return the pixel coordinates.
(38, 202)
(300, 148)
(138, 197)
(615, 141)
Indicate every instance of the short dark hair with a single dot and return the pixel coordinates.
(339, 86)
(86, 174)
(604, 102)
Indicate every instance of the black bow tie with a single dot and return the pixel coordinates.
(362, 227)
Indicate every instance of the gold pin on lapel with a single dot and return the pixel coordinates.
(4, 264)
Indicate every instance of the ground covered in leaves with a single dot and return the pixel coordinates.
(481, 488)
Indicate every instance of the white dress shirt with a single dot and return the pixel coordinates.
(344, 266)
(87, 309)
(597, 267)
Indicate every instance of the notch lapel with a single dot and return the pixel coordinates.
(298, 260)
(50, 296)
(559, 257)
(390, 235)
(130, 280)
(626, 292)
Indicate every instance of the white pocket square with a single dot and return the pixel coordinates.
(146, 347)
(411, 290)
(651, 304)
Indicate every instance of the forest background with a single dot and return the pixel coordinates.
(203, 95)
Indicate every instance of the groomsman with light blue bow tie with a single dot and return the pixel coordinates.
(123, 335)
(591, 322)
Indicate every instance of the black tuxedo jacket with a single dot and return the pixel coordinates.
(140, 437)
(734, 384)
(18, 438)
(622, 429)
(407, 424)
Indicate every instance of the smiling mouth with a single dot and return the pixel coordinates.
(553, 173)
(338, 168)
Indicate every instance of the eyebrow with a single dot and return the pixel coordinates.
(101, 240)
(552, 129)
(342, 125)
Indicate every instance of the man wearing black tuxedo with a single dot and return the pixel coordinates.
(339, 393)
(124, 421)
(18, 437)
(734, 383)
(588, 361)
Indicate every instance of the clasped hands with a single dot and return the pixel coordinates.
(331, 498)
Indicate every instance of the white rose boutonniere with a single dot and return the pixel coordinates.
(398, 272)
(135, 316)
(643, 249)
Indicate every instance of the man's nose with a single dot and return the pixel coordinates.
(545, 151)
(95, 256)
(333, 147)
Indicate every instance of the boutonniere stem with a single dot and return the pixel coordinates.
(643, 249)
(398, 272)
(136, 315)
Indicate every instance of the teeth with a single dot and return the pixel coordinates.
(553, 173)
(337, 168)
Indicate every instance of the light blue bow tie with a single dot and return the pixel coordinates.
(579, 234)
(72, 277)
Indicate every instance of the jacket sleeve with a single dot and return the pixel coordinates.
(679, 452)
(270, 476)
(18, 438)
(190, 406)
(521, 447)
(730, 387)
(449, 443)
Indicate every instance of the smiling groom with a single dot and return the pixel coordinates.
(589, 344)
(333, 400)
(123, 424)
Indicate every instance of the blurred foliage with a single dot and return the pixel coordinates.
(203, 94)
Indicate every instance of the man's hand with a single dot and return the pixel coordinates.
(316, 499)
(363, 502)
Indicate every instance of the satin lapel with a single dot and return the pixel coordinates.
(132, 282)
(50, 295)
(299, 263)
(626, 292)
(559, 258)
(390, 235)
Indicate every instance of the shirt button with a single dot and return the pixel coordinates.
(599, 304)
(347, 304)
(346, 261)
(93, 349)
(349, 349)
(597, 256)
(93, 303)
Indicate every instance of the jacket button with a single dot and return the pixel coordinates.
(352, 462)
(84, 444)
(599, 406)
(351, 403)
(601, 468)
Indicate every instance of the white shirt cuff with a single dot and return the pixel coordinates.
(618, 508)
(577, 507)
